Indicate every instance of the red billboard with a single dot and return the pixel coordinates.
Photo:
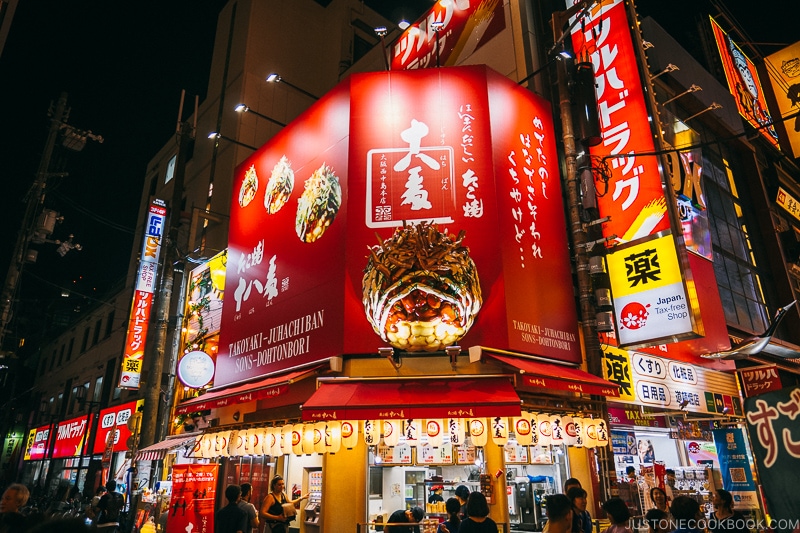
(37, 444)
(635, 198)
(463, 27)
(193, 499)
(70, 435)
(464, 150)
(113, 424)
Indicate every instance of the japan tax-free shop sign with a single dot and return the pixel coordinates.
(462, 148)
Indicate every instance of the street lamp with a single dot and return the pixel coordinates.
(381, 31)
(80, 395)
(244, 108)
(276, 78)
(217, 136)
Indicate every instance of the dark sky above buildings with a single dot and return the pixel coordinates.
(110, 60)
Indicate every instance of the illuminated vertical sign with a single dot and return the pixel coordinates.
(143, 297)
(463, 27)
(783, 68)
(744, 84)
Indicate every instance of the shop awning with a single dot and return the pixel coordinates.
(365, 399)
(542, 375)
(255, 390)
(159, 450)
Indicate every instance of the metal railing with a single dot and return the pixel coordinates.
(426, 526)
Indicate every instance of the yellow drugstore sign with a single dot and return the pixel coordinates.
(650, 300)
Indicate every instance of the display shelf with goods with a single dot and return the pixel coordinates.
(314, 506)
(449, 489)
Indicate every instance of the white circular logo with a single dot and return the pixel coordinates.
(195, 369)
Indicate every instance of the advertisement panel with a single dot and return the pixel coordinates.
(759, 380)
(136, 337)
(744, 83)
(783, 69)
(465, 26)
(37, 443)
(650, 302)
(191, 505)
(113, 424)
(734, 467)
(70, 435)
(458, 165)
(653, 381)
(786, 200)
(775, 440)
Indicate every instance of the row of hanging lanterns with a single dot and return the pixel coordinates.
(536, 429)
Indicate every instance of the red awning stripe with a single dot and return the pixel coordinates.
(159, 450)
(541, 375)
(356, 399)
(257, 390)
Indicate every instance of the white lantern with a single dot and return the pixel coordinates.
(307, 444)
(570, 437)
(297, 439)
(579, 431)
(221, 443)
(522, 429)
(455, 428)
(349, 434)
(267, 436)
(247, 442)
(545, 430)
(499, 430)
(590, 432)
(434, 428)
(372, 434)
(391, 431)
(534, 429)
(412, 430)
(286, 439)
(333, 436)
(602, 433)
(478, 431)
(556, 430)
(207, 446)
(320, 429)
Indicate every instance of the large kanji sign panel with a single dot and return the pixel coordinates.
(775, 438)
(464, 150)
(635, 199)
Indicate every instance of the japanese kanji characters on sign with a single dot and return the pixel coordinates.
(788, 202)
(143, 297)
(775, 440)
(647, 380)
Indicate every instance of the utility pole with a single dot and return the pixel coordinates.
(35, 198)
(580, 243)
(152, 396)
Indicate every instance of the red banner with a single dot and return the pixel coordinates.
(191, 506)
(635, 199)
(38, 442)
(759, 380)
(465, 26)
(114, 421)
(70, 436)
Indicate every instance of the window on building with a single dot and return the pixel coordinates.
(85, 341)
(59, 403)
(72, 404)
(71, 346)
(735, 263)
(98, 390)
(117, 393)
(96, 336)
(109, 324)
(53, 360)
(61, 354)
(43, 366)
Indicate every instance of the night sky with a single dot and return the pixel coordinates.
(110, 59)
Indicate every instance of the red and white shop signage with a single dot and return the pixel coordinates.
(463, 146)
(36, 446)
(759, 380)
(143, 297)
(466, 25)
(70, 436)
(113, 425)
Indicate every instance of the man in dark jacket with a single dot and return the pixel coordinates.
(110, 506)
(405, 516)
(231, 518)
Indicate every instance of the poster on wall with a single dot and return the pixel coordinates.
(192, 504)
(783, 69)
(734, 467)
(775, 440)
